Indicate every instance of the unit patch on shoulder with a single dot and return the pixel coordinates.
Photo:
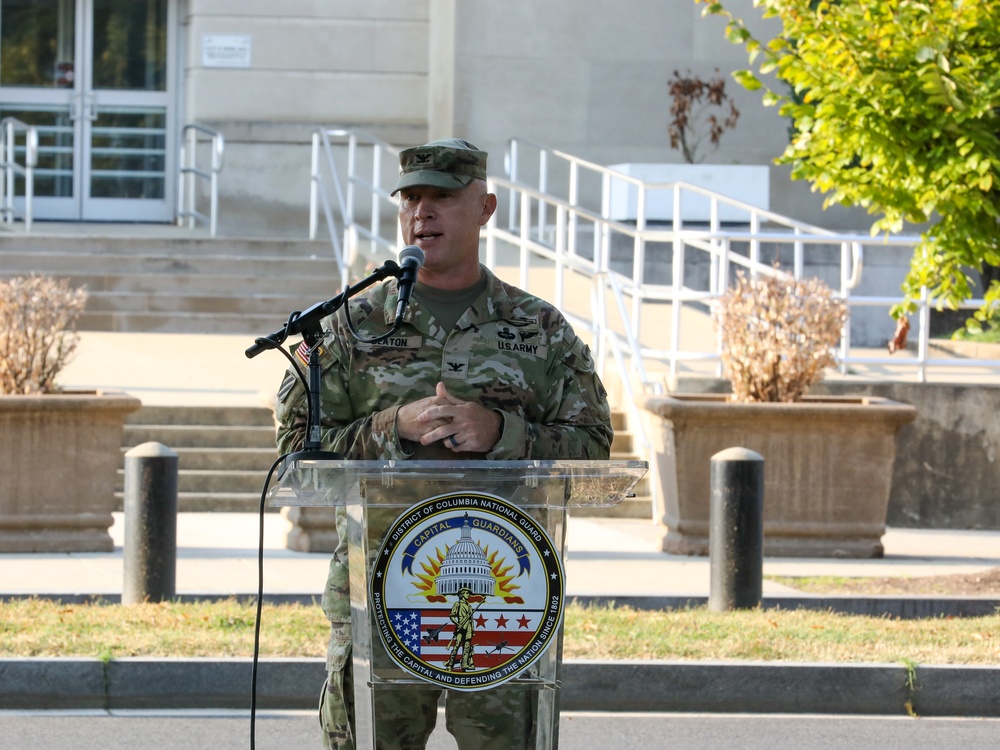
(467, 591)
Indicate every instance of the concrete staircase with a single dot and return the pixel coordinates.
(179, 283)
(623, 449)
(224, 454)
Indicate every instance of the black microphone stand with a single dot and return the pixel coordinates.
(309, 324)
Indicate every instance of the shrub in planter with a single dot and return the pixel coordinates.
(62, 448)
(778, 334)
(828, 461)
(38, 317)
(700, 114)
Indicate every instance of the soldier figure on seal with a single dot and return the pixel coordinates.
(461, 640)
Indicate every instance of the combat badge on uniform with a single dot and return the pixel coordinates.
(467, 591)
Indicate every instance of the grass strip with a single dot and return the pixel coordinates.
(41, 628)
(984, 583)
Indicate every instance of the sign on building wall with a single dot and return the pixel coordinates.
(226, 50)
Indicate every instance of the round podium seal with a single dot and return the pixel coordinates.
(467, 591)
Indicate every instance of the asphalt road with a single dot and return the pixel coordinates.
(229, 730)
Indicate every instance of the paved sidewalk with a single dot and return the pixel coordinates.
(176, 369)
(200, 369)
(217, 554)
(606, 558)
(203, 369)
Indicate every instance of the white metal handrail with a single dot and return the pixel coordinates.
(189, 171)
(366, 179)
(714, 241)
(552, 222)
(548, 159)
(10, 168)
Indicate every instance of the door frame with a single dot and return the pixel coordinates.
(79, 102)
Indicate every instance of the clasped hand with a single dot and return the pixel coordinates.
(462, 426)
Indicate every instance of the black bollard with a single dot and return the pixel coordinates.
(150, 524)
(736, 530)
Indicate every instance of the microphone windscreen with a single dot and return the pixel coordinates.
(414, 252)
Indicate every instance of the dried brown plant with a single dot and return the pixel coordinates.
(38, 317)
(778, 334)
(700, 109)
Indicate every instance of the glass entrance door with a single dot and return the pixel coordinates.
(95, 78)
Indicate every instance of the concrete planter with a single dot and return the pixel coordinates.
(58, 470)
(827, 469)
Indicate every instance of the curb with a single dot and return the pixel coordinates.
(668, 686)
(782, 687)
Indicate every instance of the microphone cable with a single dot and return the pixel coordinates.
(260, 602)
(260, 569)
(357, 334)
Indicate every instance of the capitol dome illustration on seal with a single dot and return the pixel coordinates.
(466, 591)
(465, 566)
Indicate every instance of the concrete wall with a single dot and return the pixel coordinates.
(579, 75)
(948, 460)
(591, 79)
(352, 61)
(361, 63)
(571, 74)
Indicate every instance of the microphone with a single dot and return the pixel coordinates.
(411, 258)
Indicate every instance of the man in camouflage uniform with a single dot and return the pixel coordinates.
(478, 370)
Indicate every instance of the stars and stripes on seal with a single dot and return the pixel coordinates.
(499, 634)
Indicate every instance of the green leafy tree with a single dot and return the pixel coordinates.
(895, 106)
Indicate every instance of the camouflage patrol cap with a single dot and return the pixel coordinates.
(449, 163)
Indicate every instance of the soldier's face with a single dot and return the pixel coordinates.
(445, 224)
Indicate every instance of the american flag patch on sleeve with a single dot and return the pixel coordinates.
(303, 352)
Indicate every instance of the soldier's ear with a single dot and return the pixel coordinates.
(489, 206)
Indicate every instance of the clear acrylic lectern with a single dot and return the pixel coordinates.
(457, 578)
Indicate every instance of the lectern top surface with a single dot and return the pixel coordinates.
(306, 482)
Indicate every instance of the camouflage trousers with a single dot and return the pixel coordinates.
(497, 719)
